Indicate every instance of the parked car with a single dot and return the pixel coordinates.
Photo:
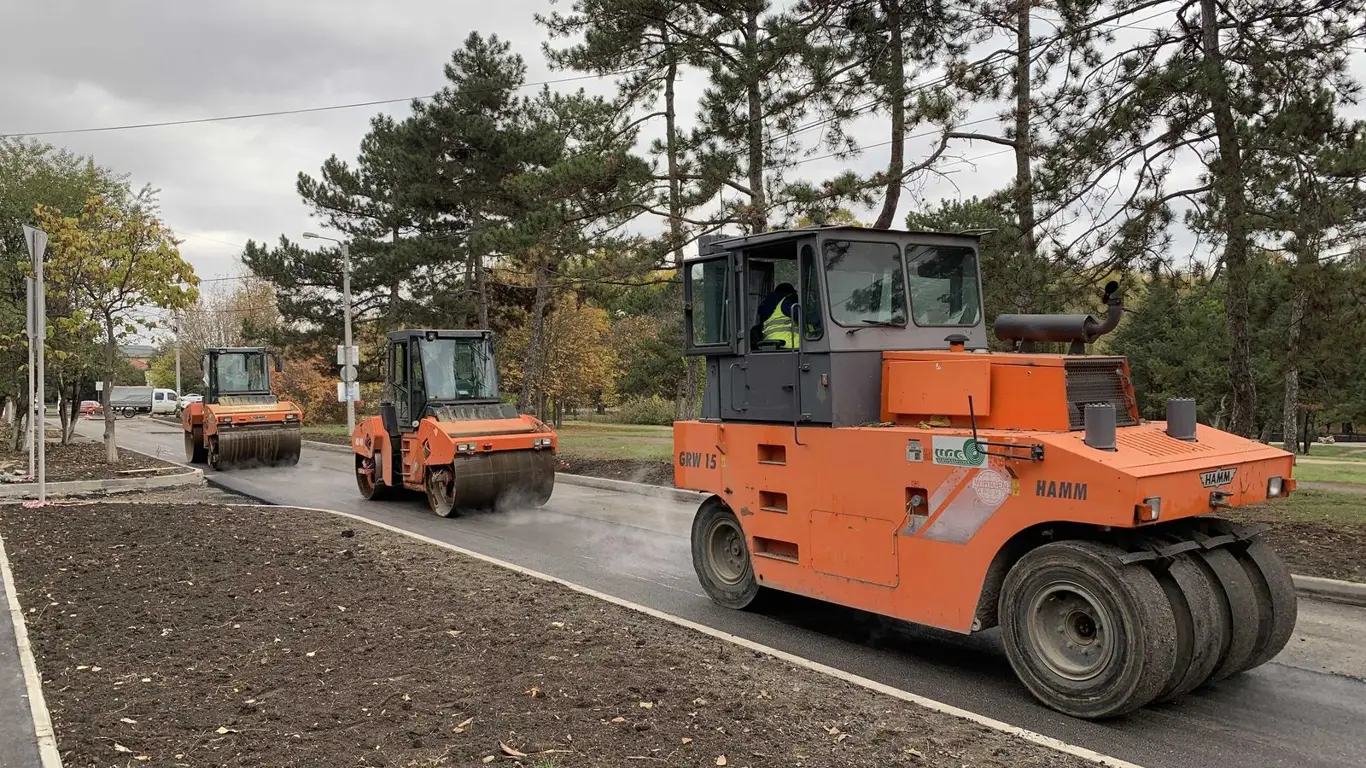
(91, 408)
(186, 400)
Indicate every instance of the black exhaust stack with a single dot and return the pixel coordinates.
(1181, 418)
(1100, 426)
(1078, 330)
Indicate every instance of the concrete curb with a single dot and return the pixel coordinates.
(17, 491)
(33, 681)
(329, 447)
(1333, 590)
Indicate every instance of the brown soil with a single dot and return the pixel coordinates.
(209, 635)
(330, 439)
(631, 470)
(78, 461)
(1330, 549)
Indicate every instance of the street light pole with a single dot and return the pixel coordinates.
(346, 304)
(346, 319)
(178, 392)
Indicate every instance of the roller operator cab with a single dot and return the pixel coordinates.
(240, 422)
(443, 431)
(862, 446)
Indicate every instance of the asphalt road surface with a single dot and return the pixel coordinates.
(1306, 708)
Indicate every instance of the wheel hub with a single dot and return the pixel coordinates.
(726, 545)
(1071, 630)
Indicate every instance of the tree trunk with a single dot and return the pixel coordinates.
(19, 427)
(74, 412)
(1299, 300)
(481, 287)
(1229, 187)
(1024, 156)
(896, 166)
(111, 450)
(671, 150)
(531, 360)
(62, 412)
(758, 199)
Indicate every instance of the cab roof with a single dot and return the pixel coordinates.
(711, 247)
(413, 333)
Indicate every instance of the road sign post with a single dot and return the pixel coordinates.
(36, 240)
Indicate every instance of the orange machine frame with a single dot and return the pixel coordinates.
(904, 520)
(440, 443)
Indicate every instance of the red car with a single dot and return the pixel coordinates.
(91, 407)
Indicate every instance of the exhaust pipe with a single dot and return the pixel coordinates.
(1078, 330)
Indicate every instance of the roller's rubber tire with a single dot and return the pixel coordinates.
(721, 557)
(441, 493)
(1201, 625)
(1237, 602)
(1116, 636)
(1273, 589)
(368, 490)
(195, 452)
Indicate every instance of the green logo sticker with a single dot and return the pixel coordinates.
(958, 451)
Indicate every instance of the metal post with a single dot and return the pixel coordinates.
(178, 392)
(28, 415)
(40, 427)
(346, 298)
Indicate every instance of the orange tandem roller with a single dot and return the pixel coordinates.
(862, 446)
(443, 431)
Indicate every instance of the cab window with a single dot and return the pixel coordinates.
(866, 283)
(709, 302)
(944, 287)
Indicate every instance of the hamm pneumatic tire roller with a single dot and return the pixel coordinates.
(443, 431)
(862, 446)
(240, 422)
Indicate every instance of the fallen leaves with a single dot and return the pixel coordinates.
(120, 748)
(722, 760)
(128, 720)
(647, 705)
(687, 740)
(618, 719)
(464, 724)
(557, 624)
(223, 730)
(511, 751)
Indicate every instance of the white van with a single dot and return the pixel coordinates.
(164, 401)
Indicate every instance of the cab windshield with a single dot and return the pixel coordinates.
(944, 288)
(458, 369)
(242, 373)
(866, 282)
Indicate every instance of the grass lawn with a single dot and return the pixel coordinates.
(617, 442)
(1338, 452)
(1331, 473)
(1311, 505)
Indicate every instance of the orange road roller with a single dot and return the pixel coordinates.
(862, 445)
(240, 422)
(442, 429)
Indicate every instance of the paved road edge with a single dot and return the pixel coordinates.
(1347, 592)
(20, 491)
(42, 721)
(1039, 739)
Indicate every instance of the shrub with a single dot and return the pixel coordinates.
(653, 410)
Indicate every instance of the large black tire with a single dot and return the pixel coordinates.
(215, 458)
(721, 558)
(1088, 635)
(195, 452)
(1273, 589)
(1201, 625)
(1238, 603)
(441, 492)
(371, 491)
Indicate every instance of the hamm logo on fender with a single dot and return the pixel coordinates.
(1051, 489)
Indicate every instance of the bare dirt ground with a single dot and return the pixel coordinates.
(1329, 547)
(78, 461)
(208, 635)
(631, 470)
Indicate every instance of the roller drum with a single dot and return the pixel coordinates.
(270, 447)
(504, 479)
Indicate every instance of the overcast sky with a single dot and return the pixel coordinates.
(81, 64)
(72, 64)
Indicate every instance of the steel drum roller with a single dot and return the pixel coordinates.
(272, 446)
(512, 477)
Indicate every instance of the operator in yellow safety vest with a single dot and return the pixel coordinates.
(777, 317)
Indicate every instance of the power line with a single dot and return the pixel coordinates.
(281, 112)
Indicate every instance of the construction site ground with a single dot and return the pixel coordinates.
(80, 460)
(202, 634)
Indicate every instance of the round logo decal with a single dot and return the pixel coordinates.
(991, 486)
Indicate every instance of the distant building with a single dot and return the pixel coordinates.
(140, 355)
